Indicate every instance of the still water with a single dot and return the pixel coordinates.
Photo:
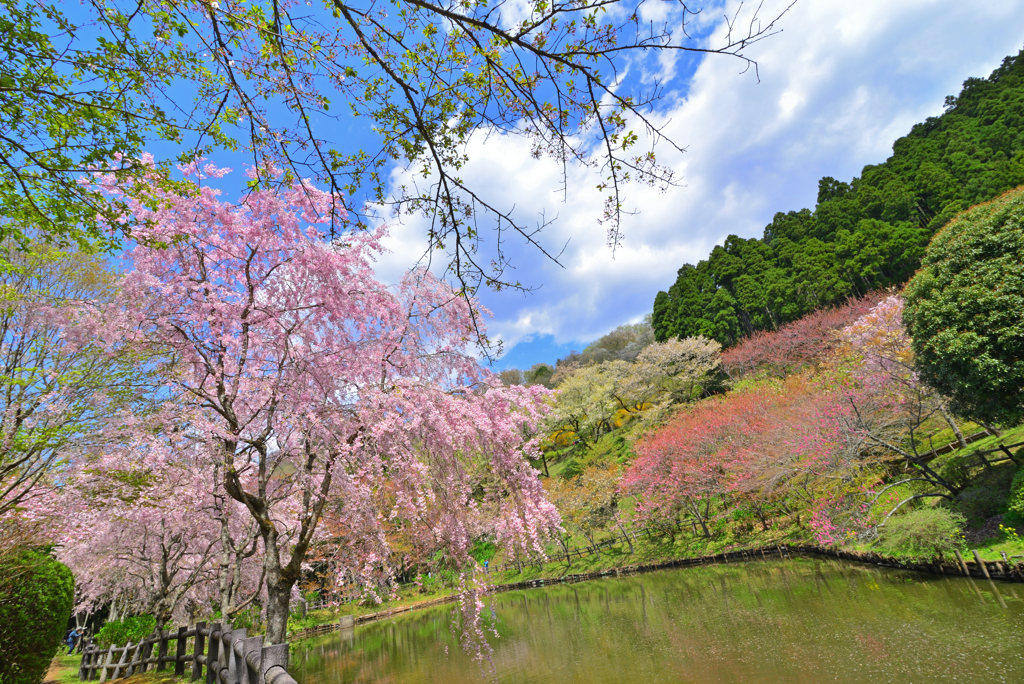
(799, 620)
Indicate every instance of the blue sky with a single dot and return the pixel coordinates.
(837, 87)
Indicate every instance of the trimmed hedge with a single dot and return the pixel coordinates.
(36, 596)
(965, 311)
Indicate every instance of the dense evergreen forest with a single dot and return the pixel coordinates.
(863, 235)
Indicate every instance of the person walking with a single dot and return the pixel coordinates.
(72, 639)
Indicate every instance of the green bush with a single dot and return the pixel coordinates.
(923, 533)
(36, 596)
(1015, 503)
(133, 629)
(957, 469)
(963, 311)
(978, 503)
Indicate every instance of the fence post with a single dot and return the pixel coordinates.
(234, 668)
(161, 652)
(83, 665)
(252, 645)
(106, 663)
(225, 646)
(213, 654)
(97, 657)
(273, 656)
(180, 652)
(197, 650)
(122, 662)
(135, 659)
(147, 651)
(963, 564)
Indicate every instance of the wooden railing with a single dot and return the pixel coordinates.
(228, 655)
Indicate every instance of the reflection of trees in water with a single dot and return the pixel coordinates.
(763, 621)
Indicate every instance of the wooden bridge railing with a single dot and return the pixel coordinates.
(228, 655)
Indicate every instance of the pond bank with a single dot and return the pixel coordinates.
(794, 618)
(959, 567)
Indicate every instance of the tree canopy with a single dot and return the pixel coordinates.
(93, 86)
(964, 311)
(863, 235)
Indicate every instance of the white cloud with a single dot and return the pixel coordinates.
(837, 87)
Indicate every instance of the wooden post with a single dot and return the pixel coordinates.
(198, 646)
(161, 652)
(213, 654)
(1007, 452)
(97, 657)
(963, 563)
(147, 652)
(225, 648)
(235, 668)
(981, 564)
(181, 652)
(271, 657)
(122, 662)
(83, 664)
(106, 663)
(135, 660)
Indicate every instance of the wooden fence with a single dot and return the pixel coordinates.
(228, 655)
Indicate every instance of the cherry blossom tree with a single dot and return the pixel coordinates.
(893, 409)
(309, 380)
(136, 525)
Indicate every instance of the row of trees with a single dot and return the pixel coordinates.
(865, 235)
(245, 393)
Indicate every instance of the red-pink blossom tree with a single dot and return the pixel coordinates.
(805, 341)
(307, 379)
(756, 448)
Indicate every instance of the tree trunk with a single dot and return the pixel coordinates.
(956, 428)
(626, 535)
(760, 516)
(280, 581)
(278, 597)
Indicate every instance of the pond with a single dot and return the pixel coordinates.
(797, 620)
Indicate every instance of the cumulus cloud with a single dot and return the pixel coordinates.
(837, 87)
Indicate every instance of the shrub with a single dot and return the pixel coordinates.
(923, 533)
(36, 596)
(133, 629)
(1015, 503)
(963, 311)
(957, 469)
(978, 503)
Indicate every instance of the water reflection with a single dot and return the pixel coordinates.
(801, 620)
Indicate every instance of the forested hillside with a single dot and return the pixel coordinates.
(863, 235)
